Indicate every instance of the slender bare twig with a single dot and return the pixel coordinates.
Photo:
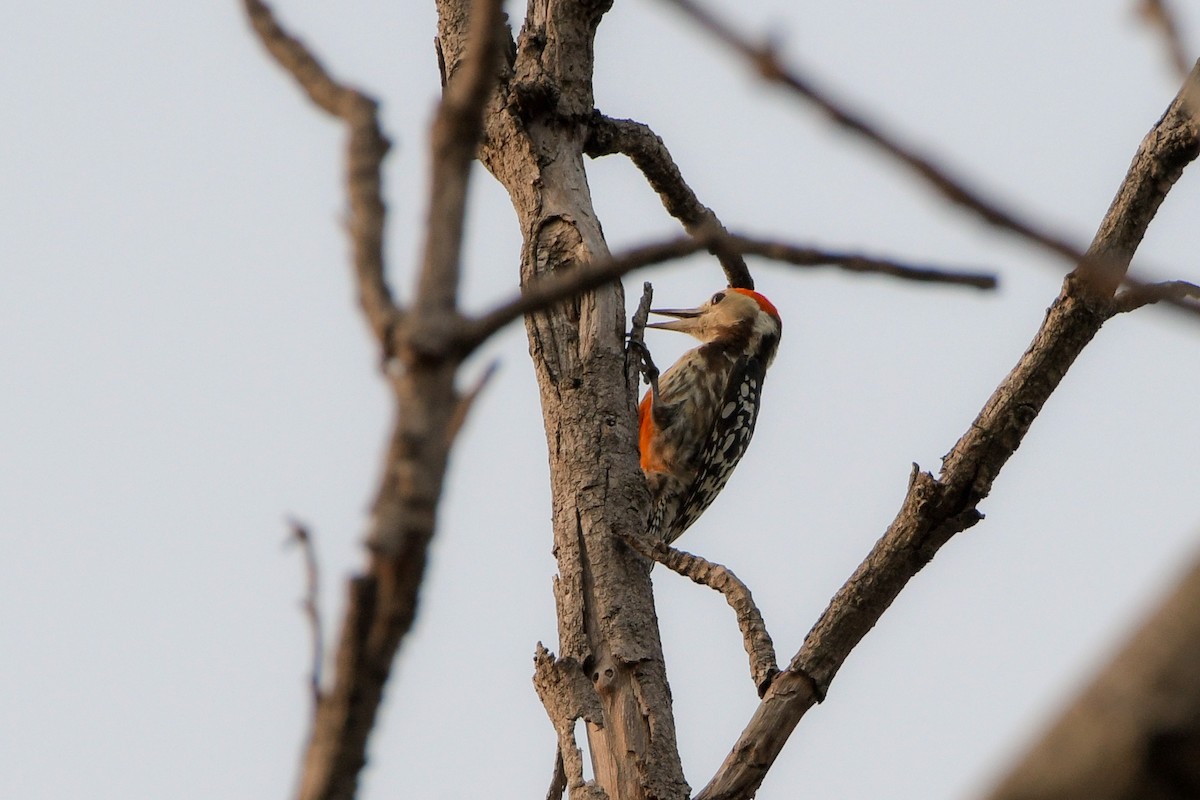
(311, 603)
(1145, 294)
(467, 401)
(365, 151)
(648, 153)
(1161, 16)
(758, 644)
(935, 509)
(855, 262)
(562, 286)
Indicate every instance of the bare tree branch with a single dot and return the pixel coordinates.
(1160, 15)
(467, 401)
(455, 138)
(1102, 269)
(935, 509)
(755, 638)
(854, 262)
(561, 286)
(365, 151)
(1135, 731)
(311, 604)
(766, 61)
(1135, 297)
(647, 151)
(382, 602)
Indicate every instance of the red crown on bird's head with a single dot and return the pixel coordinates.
(763, 303)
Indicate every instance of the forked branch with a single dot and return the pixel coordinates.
(366, 147)
(382, 599)
(567, 695)
(648, 153)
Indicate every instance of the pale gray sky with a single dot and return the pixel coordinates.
(183, 367)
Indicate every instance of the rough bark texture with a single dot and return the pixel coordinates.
(534, 134)
(1134, 733)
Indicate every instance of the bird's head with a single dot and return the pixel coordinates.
(737, 315)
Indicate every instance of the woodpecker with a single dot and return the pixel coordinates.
(696, 421)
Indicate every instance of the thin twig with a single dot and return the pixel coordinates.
(465, 402)
(855, 262)
(311, 603)
(1161, 16)
(647, 151)
(564, 285)
(1146, 294)
(758, 644)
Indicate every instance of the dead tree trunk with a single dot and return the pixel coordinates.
(535, 129)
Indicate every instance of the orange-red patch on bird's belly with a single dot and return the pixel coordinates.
(646, 431)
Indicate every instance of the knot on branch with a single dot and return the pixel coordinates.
(530, 99)
(421, 340)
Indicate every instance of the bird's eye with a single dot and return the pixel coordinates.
(718, 297)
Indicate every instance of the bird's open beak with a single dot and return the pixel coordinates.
(682, 322)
